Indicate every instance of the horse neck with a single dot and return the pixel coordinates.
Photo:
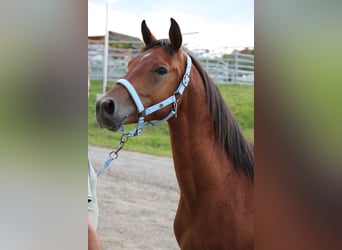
(200, 160)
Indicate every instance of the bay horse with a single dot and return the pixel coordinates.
(212, 159)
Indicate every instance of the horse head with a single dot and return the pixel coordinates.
(153, 76)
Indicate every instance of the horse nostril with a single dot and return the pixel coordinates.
(108, 106)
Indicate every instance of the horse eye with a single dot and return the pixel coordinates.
(161, 71)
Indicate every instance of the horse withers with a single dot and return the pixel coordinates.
(213, 161)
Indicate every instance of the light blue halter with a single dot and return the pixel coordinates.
(142, 111)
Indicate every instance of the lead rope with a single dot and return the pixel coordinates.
(113, 155)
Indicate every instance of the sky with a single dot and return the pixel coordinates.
(214, 24)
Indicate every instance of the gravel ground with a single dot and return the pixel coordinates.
(138, 197)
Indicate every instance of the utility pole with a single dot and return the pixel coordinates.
(105, 56)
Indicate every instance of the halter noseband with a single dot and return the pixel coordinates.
(142, 111)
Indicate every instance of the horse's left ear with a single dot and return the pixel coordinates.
(175, 35)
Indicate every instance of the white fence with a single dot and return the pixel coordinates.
(236, 68)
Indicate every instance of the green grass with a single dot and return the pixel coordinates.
(240, 99)
(156, 140)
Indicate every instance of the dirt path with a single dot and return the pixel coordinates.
(138, 197)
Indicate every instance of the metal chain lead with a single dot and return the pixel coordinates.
(123, 140)
(113, 155)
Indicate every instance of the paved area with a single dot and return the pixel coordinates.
(138, 197)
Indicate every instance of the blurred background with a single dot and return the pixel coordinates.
(44, 112)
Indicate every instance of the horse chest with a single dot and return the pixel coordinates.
(211, 223)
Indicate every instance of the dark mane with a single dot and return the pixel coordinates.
(227, 130)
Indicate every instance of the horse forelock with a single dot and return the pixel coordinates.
(227, 130)
(164, 43)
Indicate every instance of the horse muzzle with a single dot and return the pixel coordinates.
(107, 115)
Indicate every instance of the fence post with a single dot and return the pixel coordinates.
(236, 63)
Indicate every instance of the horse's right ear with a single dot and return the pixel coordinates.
(146, 33)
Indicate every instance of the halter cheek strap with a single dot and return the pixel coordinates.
(142, 111)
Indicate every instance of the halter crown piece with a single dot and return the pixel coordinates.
(142, 111)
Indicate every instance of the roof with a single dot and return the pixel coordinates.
(114, 36)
